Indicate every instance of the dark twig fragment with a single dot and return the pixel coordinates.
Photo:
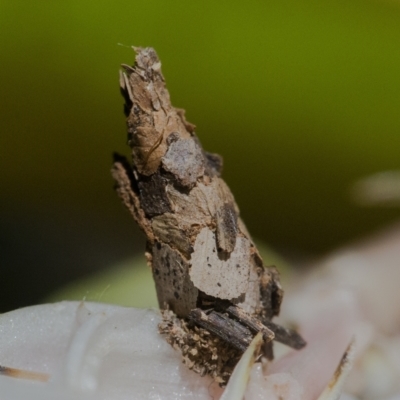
(254, 324)
(285, 335)
(233, 332)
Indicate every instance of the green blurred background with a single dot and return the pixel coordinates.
(301, 97)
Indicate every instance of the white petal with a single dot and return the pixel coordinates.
(334, 388)
(238, 382)
(97, 350)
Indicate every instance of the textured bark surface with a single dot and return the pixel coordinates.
(200, 252)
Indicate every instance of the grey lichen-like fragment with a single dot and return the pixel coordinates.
(180, 154)
(224, 279)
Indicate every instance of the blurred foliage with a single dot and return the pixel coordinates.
(301, 98)
(128, 284)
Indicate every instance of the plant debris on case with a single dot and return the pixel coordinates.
(212, 286)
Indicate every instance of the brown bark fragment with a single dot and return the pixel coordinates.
(214, 164)
(123, 187)
(174, 287)
(271, 293)
(166, 229)
(153, 118)
(188, 125)
(153, 195)
(197, 208)
(227, 229)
